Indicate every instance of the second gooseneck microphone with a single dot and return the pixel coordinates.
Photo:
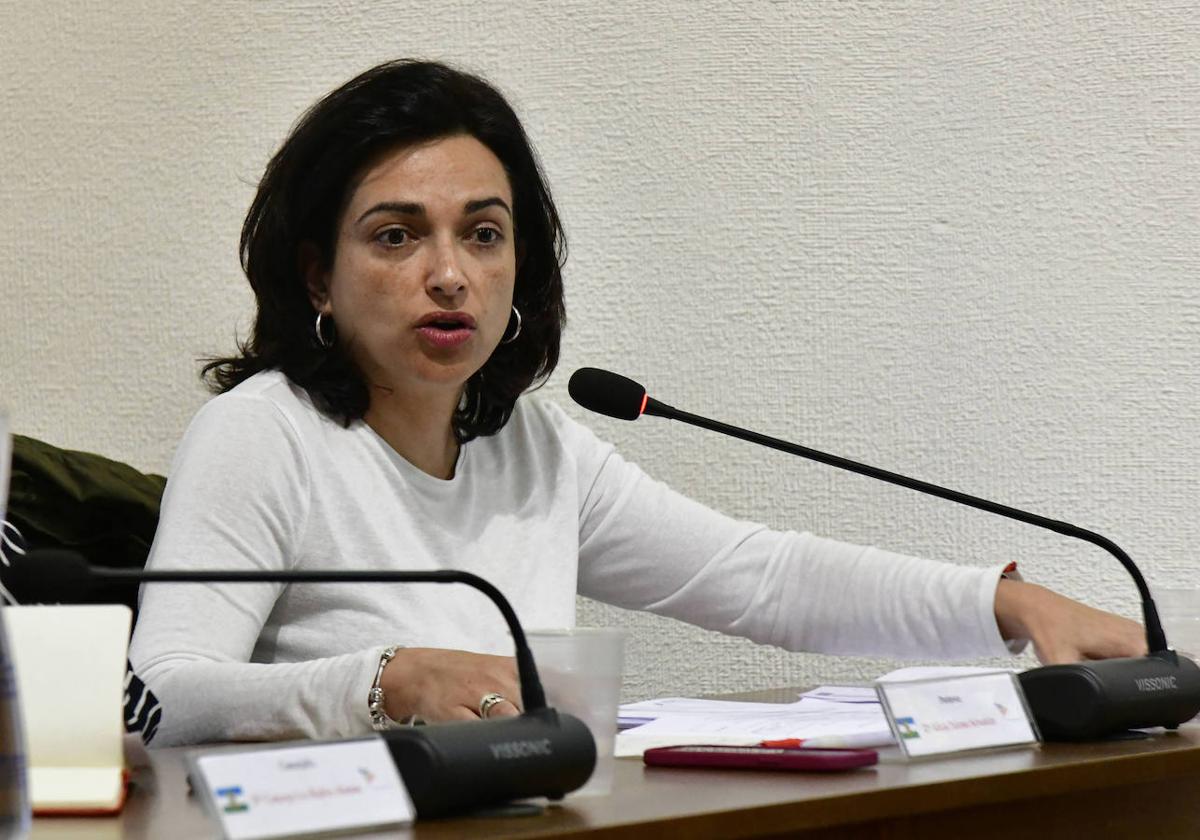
(1071, 702)
(448, 768)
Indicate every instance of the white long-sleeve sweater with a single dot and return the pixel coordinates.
(543, 509)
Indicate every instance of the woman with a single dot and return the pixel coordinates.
(406, 255)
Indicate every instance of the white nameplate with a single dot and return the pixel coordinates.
(285, 790)
(955, 714)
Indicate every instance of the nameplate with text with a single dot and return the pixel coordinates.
(957, 714)
(297, 788)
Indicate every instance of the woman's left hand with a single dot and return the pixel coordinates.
(1063, 630)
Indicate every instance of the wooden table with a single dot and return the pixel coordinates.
(1144, 788)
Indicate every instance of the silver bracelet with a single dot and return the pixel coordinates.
(379, 718)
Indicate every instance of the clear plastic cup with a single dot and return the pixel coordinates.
(1179, 611)
(581, 673)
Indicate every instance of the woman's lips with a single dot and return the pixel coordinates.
(446, 329)
(444, 337)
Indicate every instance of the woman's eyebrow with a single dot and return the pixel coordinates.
(493, 201)
(404, 208)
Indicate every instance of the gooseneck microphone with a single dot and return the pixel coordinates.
(448, 768)
(1080, 701)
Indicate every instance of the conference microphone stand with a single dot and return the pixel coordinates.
(448, 768)
(1080, 701)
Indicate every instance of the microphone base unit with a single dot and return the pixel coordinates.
(454, 768)
(1086, 701)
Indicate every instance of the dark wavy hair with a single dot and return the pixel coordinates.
(307, 185)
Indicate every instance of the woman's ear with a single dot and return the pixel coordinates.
(316, 278)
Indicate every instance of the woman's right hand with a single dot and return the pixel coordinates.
(439, 685)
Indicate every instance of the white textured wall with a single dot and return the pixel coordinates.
(952, 240)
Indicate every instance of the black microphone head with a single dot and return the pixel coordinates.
(607, 393)
(48, 575)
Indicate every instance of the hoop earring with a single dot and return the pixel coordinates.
(511, 338)
(321, 339)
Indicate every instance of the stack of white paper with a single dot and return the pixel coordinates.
(843, 693)
(674, 721)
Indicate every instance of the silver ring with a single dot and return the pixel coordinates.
(488, 701)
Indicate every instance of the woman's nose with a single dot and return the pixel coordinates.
(446, 277)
